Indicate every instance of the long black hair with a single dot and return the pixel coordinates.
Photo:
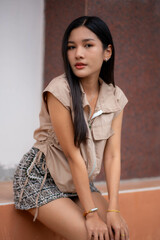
(98, 27)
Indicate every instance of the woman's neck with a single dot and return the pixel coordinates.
(90, 85)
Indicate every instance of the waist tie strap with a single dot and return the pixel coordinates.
(44, 179)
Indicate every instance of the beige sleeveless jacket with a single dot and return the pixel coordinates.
(110, 103)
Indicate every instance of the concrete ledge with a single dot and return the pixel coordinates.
(139, 206)
(18, 225)
(142, 213)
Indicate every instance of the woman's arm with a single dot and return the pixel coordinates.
(63, 126)
(112, 165)
(112, 162)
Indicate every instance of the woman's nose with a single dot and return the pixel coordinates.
(79, 52)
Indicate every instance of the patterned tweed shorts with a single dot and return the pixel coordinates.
(30, 189)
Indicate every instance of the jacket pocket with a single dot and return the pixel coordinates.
(101, 132)
(101, 128)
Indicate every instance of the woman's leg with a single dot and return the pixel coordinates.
(64, 217)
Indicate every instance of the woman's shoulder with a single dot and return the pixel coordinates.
(120, 97)
(60, 89)
(115, 91)
(59, 82)
(114, 96)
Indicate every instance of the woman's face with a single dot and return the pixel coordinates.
(85, 52)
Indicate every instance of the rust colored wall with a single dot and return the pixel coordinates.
(17, 224)
(135, 26)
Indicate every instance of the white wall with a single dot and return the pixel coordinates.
(21, 69)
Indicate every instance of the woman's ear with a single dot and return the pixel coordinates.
(108, 53)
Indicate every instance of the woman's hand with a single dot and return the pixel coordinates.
(97, 229)
(117, 227)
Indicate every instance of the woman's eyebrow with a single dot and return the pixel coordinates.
(84, 40)
(88, 39)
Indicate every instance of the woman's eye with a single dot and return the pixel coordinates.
(70, 47)
(88, 45)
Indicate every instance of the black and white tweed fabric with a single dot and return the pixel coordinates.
(30, 189)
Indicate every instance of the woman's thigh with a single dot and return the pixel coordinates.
(99, 202)
(64, 217)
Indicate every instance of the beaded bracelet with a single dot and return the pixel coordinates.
(90, 211)
(113, 210)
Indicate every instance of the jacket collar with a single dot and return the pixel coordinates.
(106, 100)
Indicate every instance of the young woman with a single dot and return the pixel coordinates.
(80, 127)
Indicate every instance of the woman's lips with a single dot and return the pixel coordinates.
(80, 65)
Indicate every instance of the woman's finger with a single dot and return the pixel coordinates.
(125, 229)
(95, 235)
(123, 235)
(111, 235)
(90, 236)
(126, 233)
(125, 224)
(106, 236)
(101, 236)
(117, 233)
